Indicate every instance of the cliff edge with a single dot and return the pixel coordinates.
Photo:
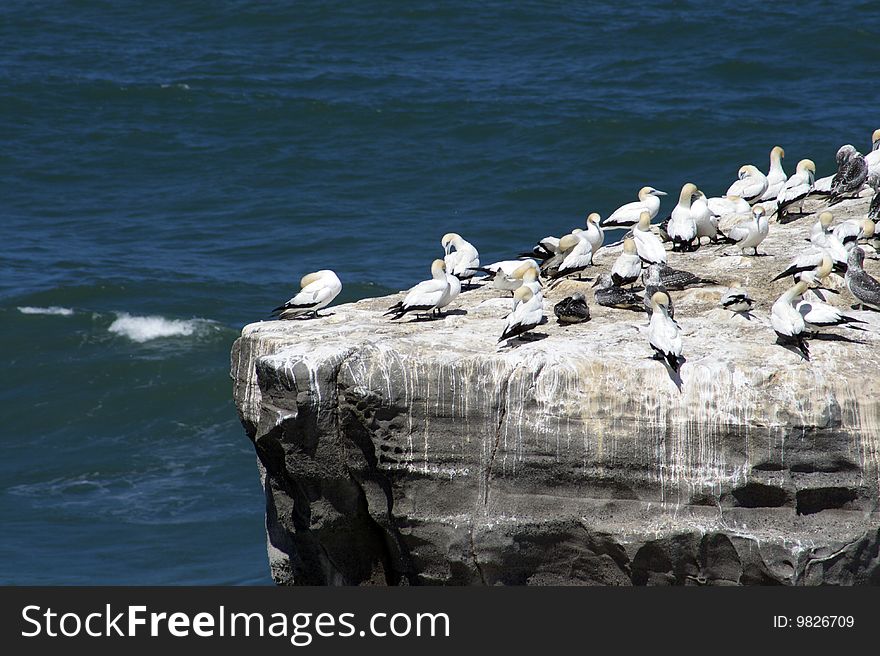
(417, 452)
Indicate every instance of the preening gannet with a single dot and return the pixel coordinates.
(595, 233)
(507, 274)
(852, 231)
(572, 309)
(628, 266)
(577, 255)
(818, 315)
(426, 296)
(737, 299)
(610, 295)
(850, 177)
(528, 312)
(751, 184)
(787, 322)
(824, 185)
(811, 267)
(682, 228)
(728, 205)
(531, 280)
(626, 216)
(776, 176)
(651, 277)
(796, 188)
(648, 245)
(823, 238)
(664, 335)
(462, 259)
(317, 291)
(860, 283)
(749, 234)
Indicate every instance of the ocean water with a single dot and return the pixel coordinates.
(168, 171)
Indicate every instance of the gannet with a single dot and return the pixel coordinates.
(626, 216)
(507, 274)
(451, 293)
(728, 205)
(860, 283)
(874, 208)
(664, 335)
(648, 245)
(873, 158)
(776, 176)
(463, 262)
(317, 291)
(595, 233)
(707, 222)
(544, 249)
(678, 278)
(823, 186)
(577, 255)
(426, 296)
(528, 312)
(811, 267)
(682, 228)
(850, 177)
(751, 184)
(610, 295)
(628, 266)
(737, 299)
(572, 309)
(749, 234)
(654, 284)
(787, 322)
(531, 280)
(851, 231)
(818, 315)
(823, 238)
(796, 188)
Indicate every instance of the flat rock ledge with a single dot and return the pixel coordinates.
(418, 452)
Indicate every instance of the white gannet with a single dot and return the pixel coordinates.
(317, 291)
(727, 205)
(850, 176)
(648, 245)
(737, 300)
(628, 266)
(852, 231)
(595, 233)
(860, 283)
(823, 238)
(751, 184)
(531, 280)
(507, 274)
(682, 227)
(796, 188)
(426, 296)
(749, 234)
(776, 176)
(451, 293)
(610, 295)
(462, 259)
(626, 216)
(528, 312)
(664, 335)
(572, 309)
(812, 267)
(787, 322)
(577, 255)
(544, 249)
(818, 315)
(873, 158)
(707, 222)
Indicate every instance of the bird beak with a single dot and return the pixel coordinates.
(657, 192)
(595, 283)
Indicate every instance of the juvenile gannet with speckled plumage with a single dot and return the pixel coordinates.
(317, 291)
(750, 234)
(664, 335)
(737, 299)
(751, 184)
(572, 309)
(426, 296)
(787, 322)
(796, 188)
(628, 266)
(610, 295)
(682, 227)
(860, 283)
(462, 259)
(528, 312)
(849, 177)
(776, 176)
(648, 245)
(823, 186)
(626, 216)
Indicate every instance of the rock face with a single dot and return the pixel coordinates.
(421, 453)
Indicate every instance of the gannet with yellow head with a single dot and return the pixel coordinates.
(426, 296)
(626, 216)
(317, 291)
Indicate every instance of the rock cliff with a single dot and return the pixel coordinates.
(420, 453)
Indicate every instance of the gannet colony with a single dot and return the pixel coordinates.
(694, 403)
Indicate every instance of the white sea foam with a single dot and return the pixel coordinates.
(54, 309)
(143, 329)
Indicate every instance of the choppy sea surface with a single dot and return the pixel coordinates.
(169, 171)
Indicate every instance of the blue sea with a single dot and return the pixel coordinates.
(169, 170)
